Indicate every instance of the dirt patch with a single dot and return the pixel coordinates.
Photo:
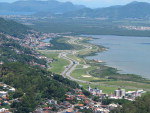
(86, 76)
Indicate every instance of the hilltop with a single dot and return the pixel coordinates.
(35, 6)
(131, 10)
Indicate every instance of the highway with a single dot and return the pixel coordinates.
(70, 68)
(73, 64)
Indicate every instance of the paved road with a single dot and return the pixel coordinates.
(70, 68)
(73, 64)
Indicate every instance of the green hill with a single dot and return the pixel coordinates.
(35, 6)
(13, 28)
(33, 84)
(11, 51)
(132, 10)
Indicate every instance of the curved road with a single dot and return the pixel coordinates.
(73, 64)
(70, 68)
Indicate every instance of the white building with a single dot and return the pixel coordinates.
(4, 110)
(134, 94)
(12, 89)
(95, 91)
(120, 93)
(101, 110)
(117, 93)
(123, 92)
(112, 106)
(3, 93)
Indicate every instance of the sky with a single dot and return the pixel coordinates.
(94, 3)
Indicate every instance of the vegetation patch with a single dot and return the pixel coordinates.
(58, 64)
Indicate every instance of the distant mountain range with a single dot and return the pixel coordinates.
(35, 6)
(131, 10)
(67, 9)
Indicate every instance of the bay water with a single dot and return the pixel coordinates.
(128, 54)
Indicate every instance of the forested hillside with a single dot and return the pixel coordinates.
(13, 28)
(33, 83)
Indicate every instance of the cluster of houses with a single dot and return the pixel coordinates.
(75, 102)
(118, 94)
(129, 95)
(39, 40)
(5, 100)
(138, 28)
(39, 56)
(34, 40)
(95, 91)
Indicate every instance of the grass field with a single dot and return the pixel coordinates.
(83, 74)
(51, 55)
(106, 89)
(58, 65)
(82, 70)
(128, 84)
(81, 60)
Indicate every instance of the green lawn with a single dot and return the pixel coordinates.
(51, 55)
(58, 65)
(82, 74)
(79, 66)
(129, 84)
(81, 60)
(106, 89)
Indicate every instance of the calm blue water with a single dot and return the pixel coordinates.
(128, 54)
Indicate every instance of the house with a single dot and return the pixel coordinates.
(52, 101)
(94, 91)
(4, 110)
(3, 93)
(112, 106)
(101, 110)
(12, 89)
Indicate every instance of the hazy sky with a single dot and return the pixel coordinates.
(95, 3)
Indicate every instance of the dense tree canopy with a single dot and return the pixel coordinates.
(34, 83)
(13, 28)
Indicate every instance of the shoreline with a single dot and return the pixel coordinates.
(101, 48)
(79, 61)
(106, 63)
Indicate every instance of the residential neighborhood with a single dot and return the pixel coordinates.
(77, 101)
(5, 97)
